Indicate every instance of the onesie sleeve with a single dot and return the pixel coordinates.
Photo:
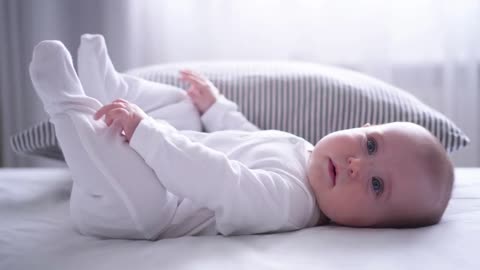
(224, 115)
(245, 201)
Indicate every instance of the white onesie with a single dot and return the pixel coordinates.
(166, 182)
(231, 181)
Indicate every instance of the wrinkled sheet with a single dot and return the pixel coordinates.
(36, 233)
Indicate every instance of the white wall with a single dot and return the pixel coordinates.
(430, 48)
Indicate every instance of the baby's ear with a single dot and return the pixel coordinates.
(366, 125)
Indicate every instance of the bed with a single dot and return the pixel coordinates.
(36, 233)
(304, 99)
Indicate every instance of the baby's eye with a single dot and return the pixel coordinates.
(371, 146)
(377, 185)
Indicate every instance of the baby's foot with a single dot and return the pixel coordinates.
(97, 73)
(54, 77)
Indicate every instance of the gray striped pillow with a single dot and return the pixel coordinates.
(304, 99)
(39, 140)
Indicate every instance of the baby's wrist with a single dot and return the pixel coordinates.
(207, 106)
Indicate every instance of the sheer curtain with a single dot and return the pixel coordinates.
(430, 48)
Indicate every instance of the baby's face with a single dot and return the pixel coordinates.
(368, 175)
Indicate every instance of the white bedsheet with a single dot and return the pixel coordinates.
(35, 233)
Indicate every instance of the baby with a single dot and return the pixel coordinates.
(148, 172)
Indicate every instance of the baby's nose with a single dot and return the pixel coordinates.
(354, 167)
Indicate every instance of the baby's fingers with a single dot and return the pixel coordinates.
(115, 114)
(193, 78)
(190, 79)
(105, 109)
(193, 93)
(189, 72)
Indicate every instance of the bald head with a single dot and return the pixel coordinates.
(437, 177)
(391, 175)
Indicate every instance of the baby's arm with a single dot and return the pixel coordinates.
(217, 112)
(245, 200)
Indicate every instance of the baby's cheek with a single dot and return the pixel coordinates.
(347, 199)
(314, 177)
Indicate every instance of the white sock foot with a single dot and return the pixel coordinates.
(101, 81)
(55, 80)
(96, 71)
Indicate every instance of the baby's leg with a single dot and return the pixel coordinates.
(100, 80)
(115, 193)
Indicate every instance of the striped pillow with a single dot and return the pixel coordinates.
(39, 140)
(304, 99)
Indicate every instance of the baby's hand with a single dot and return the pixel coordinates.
(202, 91)
(127, 114)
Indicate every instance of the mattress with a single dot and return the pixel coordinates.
(36, 233)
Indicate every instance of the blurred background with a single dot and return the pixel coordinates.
(430, 48)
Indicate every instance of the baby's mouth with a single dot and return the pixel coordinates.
(332, 171)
